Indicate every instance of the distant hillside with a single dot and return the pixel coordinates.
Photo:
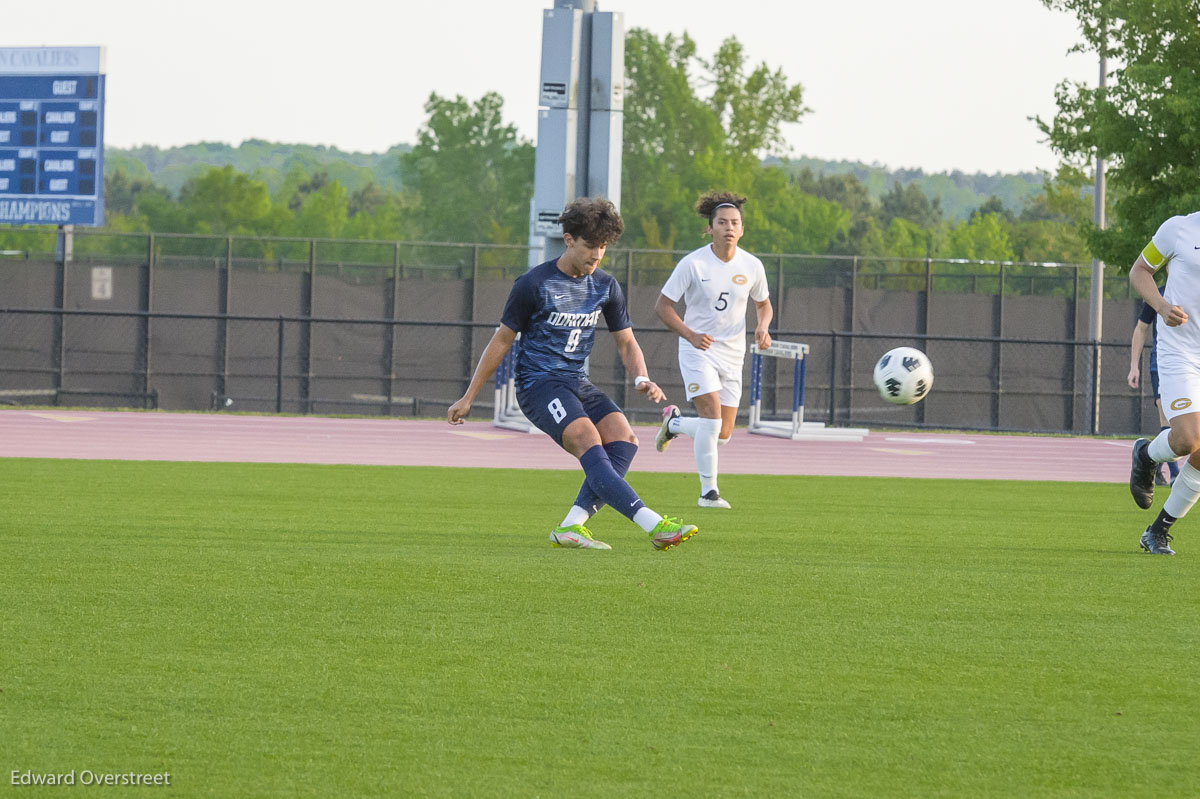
(958, 192)
(268, 161)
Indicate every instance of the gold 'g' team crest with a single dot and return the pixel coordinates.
(740, 279)
(1181, 403)
(693, 387)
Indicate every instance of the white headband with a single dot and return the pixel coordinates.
(725, 205)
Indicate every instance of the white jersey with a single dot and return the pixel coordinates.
(1177, 245)
(716, 293)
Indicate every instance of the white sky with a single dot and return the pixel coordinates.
(935, 84)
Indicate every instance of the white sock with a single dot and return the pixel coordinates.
(646, 519)
(576, 515)
(1184, 491)
(684, 424)
(705, 447)
(1160, 451)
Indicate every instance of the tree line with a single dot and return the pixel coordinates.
(469, 178)
(693, 124)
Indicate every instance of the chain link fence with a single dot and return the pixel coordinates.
(324, 326)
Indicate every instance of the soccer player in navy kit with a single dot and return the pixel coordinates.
(1136, 344)
(555, 307)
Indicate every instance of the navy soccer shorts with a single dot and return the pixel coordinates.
(553, 404)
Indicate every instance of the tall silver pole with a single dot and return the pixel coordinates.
(1096, 319)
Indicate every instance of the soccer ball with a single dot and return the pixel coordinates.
(904, 376)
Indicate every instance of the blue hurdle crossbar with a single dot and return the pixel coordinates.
(797, 429)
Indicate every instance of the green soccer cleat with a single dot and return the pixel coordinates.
(671, 533)
(575, 536)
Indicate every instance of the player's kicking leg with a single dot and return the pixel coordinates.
(709, 430)
(586, 423)
(609, 486)
(1184, 434)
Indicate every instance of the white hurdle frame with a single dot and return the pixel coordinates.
(797, 429)
(506, 413)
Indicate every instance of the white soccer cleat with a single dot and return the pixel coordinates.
(664, 435)
(576, 536)
(712, 500)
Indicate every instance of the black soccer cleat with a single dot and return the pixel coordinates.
(1156, 543)
(1160, 479)
(1141, 476)
(712, 499)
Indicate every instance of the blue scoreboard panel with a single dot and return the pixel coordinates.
(51, 136)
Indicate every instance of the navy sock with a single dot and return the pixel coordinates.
(620, 454)
(606, 484)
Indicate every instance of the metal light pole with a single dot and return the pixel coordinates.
(580, 117)
(1096, 319)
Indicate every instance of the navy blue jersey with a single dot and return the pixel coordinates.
(556, 315)
(1149, 315)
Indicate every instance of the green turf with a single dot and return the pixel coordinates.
(260, 630)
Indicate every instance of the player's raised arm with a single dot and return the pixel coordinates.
(489, 362)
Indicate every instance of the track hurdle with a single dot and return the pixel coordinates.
(797, 429)
(506, 413)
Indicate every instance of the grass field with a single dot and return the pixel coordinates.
(263, 630)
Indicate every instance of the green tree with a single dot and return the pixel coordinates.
(754, 106)
(305, 186)
(322, 212)
(678, 145)
(910, 203)
(225, 201)
(993, 205)
(1051, 227)
(1145, 123)
(672, 141)
(983, 237)
(470, 175)
(121, 192)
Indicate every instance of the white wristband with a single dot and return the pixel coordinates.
(637, 381)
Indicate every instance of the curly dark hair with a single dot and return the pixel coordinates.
(708, 203)
(593, 219)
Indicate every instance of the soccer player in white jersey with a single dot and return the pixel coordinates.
(1176, 243)
(715, 282)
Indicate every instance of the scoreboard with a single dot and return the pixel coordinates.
(52, 135)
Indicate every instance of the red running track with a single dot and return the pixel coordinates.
(216, 437)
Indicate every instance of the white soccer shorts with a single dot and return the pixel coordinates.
(1178, 386)
(706, 371)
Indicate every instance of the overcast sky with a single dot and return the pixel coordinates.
(934, 84)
